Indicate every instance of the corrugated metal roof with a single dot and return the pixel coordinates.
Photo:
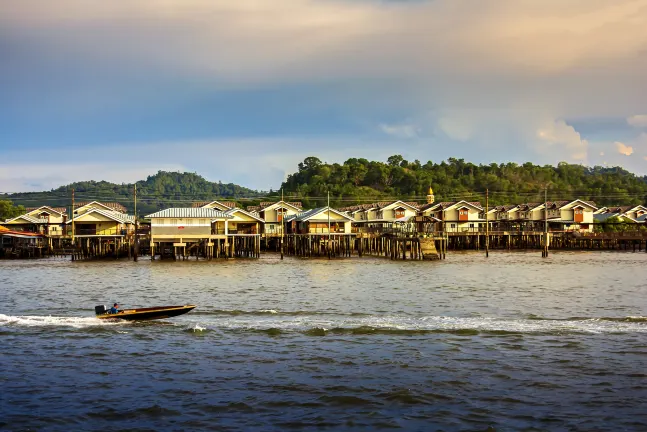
(61, 210)
(229, 204)
(29, 219)
(308, 214)
(189, 212)
(231, 212)
(115, 206)
(121, 217)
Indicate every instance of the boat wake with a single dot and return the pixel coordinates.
(315, 325)
(56, 321)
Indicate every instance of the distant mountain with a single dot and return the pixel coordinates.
(162, 190)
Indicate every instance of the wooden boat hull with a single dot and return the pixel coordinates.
(159, 312)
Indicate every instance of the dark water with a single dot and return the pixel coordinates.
(514, 342)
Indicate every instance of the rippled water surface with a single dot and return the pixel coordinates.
(513, 342)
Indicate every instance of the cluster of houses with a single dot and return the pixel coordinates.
(216, 220)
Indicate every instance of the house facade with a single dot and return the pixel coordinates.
(317, 221)
(455, 216)
(274, 214)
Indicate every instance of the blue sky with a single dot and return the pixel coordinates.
(242, 91)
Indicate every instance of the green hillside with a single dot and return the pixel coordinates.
(162, 190)
(359, 180)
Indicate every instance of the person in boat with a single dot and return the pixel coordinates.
(115, 308)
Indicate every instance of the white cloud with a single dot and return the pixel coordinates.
(602, 153)
(637, 120)
(562, 139)
(400, 130)
(623, 148)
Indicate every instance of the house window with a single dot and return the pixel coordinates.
(202, 222)
(271, 227)
(190, 221)
(453, 225)
(174, 222)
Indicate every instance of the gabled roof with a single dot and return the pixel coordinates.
(379, 205)
(503, 208)
(231, 213)
(448, 204)
(114, 206)
(28, 218)
(307, 215)
(529, 206)
(189, 212)
(114, 215)
(296, 205)
(226, 204)
(59, 210)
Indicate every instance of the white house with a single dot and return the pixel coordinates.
(316, 221)
(456, 216)
(274, 214)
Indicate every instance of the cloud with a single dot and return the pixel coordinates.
(400, 130)
(637, 120)
(557, 136)
(623, 148)
(601, 153)
(447, 53)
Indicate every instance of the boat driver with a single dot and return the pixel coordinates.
(115, 308)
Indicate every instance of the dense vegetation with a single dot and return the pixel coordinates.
(362, 181)
(162, 190)
(8, 210)
(359, 180)
(615, 224)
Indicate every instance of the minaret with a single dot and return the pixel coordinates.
(430, 196)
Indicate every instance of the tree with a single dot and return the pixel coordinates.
(395, 160)
(8, 210)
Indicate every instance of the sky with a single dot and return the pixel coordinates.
(241, 91)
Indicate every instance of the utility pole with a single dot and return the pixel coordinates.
(136, 244)
(487, 223)
(545, 251)
(73, 242)
(280, 209)
(329, 224)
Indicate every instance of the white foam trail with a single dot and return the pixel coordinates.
(271, 311)
(197, 328)
(56, 321)
(430, 323)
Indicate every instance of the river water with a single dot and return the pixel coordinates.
(515, 342)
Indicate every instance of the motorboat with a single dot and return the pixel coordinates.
(151, 313)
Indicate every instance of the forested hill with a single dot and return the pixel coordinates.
(361, 181)
(162, 190)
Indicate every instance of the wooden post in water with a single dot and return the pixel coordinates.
(545, 251)
(136, 244)
(72, 216)
(487, 223)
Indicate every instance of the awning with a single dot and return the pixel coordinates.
(3, 234)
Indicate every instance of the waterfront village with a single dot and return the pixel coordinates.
(396, 229)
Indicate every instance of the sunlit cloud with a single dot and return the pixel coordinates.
(624, 149)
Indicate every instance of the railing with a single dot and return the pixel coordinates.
(104, 232)
(609, 235)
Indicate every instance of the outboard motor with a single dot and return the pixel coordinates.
(100, 310)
